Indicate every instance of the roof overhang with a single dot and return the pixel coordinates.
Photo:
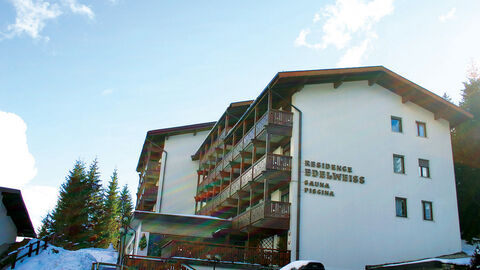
(159, 134)
(232, 106)
(409, 91)
(13, 201)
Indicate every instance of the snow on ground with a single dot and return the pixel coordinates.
(296, 265)
(108, 255)
(54, 258)
(469, 249)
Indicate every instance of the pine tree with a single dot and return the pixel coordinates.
(466, 149)
(70, 217)
(447, 97)
(126, 207)
(475, 261)
(46, 230)
(112, 213)
(95, 203)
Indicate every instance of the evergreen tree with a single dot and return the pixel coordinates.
(95, 203)
(126, 207)
(112, 213)
(466, 149)
(70, 217)
(447, 97)
(46, 230)
(475, 261)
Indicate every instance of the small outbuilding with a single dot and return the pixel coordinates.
(14, 218)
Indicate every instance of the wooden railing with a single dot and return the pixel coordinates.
(148, 262)
(27, 250)
(260, 211)
(277, 117)
(108, 266)
(272, 116)
(225, 253)
(149, 194)
(265, 163)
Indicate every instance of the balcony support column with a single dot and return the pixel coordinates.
(268, 149)
(265, 190)
(269, 93)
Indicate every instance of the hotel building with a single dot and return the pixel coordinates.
(350, 167)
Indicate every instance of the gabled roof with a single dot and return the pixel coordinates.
(160, 134)
(17, 211)
(409, 91)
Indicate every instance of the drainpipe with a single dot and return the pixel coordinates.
(163, 175)
(299, 154)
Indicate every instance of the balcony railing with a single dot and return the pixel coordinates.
(148, 197)
(272, 116)
(280, 118)
(261, 211)
(225, 253)
(267, 163)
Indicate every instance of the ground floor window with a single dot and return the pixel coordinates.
(401, 207)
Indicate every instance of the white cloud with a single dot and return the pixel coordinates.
(81, 9)
(107, 92)
(17, 167)
(354, 55)
(448, 16)
(39, 200)
(347, 21)
(31, 16)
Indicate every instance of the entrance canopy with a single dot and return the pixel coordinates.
(178, 224)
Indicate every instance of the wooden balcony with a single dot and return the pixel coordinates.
(277, 120)
(271, 215)
(225, 253)
(275, 167)
(147, 198)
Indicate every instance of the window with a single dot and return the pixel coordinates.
(421, 129)
(396, 123)
(424, 168)
(398, 164)
(401, 207)
(427, 210)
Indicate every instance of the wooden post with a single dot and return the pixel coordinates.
(238, 206)
(30, 250)
(254, 152)
(265, 190)
(14, 260)
(38, 247)
(269, 93)
(267, 142)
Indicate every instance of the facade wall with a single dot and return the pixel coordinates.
(351, 126)
(8, 231)
(180, 182)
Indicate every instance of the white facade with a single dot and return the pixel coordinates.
(358, 226)
(180, 183)
(8, 231)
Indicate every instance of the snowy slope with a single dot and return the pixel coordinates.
(54, 258)
(102, 255)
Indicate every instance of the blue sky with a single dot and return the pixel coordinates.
(86, 79)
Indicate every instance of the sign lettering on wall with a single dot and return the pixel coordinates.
(327, 171)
